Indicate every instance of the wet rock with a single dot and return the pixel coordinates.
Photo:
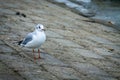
(80, 9)
(85, 12)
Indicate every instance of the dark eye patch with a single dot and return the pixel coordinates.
(39, 27)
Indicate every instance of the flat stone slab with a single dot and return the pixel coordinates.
(88, 68)
(102, 51)
(99, 40)
(1, 42)
(92, 70)
(65, 33)
(48, 59)
(5, 49)
(66, 43)
(45, 58)
(27, 69)
(6, 11)
(87, 53)
(53, 34)
(63, 73)
(8, 74)
(69, 56)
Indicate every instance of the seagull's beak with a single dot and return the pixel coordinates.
(43, 29)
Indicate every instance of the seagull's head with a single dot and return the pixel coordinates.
(40, 27)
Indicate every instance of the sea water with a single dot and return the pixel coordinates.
(101, 9)
(108, 10)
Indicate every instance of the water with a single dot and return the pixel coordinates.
(102, 9)
(108, 10)
(79, 6)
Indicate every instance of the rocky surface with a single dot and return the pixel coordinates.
(74, 49)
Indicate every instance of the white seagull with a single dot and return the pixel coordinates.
(35, 39)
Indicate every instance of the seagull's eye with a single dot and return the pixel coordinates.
(39, 27)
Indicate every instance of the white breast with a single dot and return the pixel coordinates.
(38, 39)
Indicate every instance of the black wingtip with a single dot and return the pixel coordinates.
(20, 42)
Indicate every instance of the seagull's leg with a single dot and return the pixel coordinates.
(39, 54)
(34, 54)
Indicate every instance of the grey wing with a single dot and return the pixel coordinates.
(27, 39)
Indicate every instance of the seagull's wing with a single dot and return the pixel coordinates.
(27, 39)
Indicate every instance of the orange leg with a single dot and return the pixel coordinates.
(39, 54)
(34, 55)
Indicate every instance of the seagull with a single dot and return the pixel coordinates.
(34, 39)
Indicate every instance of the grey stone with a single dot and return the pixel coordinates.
(7, 11)
(53, 34)
(106, 78)
(99, 39)
(10, 5)
(69, 57)
(89, 69)
(63, 73)
(31, 75)
(50, 44)
(48, 59)
(11, 75)
(87, 53)
(4, 48)
(66, 43)
(65, 32)
(102, 51)
(1, 42)
(26, 68)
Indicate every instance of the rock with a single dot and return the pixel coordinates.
(17, 13)
(20, 14)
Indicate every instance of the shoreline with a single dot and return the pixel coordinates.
(90, 16)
